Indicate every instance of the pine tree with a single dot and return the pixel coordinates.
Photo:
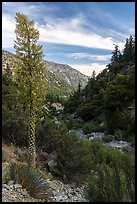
(129, 50)
(79, 88)
(93, 76)
(126, 51)
(30, 75)
(116, 55)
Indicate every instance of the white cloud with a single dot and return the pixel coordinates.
(88, 56)
(59, 33)
(67, 36)
(8, 35)
(87, 69)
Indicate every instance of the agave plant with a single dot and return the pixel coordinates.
(31, 180)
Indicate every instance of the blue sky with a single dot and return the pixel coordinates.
(80, 34)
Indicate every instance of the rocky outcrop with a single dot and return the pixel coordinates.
(61, 193)
(66, 192)
(15, 193)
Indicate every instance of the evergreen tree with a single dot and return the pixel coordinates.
(79, 88)
(129, 50)
(93, 76)
(116, 55)
(125, 51)
(29, 75)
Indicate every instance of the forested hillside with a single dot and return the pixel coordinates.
(110, 97)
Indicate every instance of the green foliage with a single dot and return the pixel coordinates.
(89, 109)
(30, 75)
(5, 179)
(49, 135)
(30, 71)
(107, 138)
(115, 100)
(113, 182)
(116, 55)
(70, 122)
(74, 159)
(117, 91)
(129, 50)
(73, 102)
(109, 94)
(91, 126)
(30, 179)
(54, 98)
(14, 121)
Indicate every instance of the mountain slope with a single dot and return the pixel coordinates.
(70, 75)
(62, 79)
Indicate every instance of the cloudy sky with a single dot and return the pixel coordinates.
(80, 34)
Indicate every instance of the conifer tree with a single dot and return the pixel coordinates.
(116, 55)
(79, 88)
(129, 50)
(30, 75)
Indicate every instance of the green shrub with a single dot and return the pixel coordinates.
(5, 179)
(14, 121)
(91, 126)
(110, 185)
(49, 135)
(107, 138)
(118, 134)
(74, 158)
(70, 123)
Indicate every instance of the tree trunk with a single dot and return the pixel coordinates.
(31, 138)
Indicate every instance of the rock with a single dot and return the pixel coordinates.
(118, 144)
(79, 120)
(49, 174)
(80, 133)
(10, 182)
(91, 138)
(58, 106)
(52, 160)
(17, 186)
(15, 193)
(58, 198)
(24, 192)
(55, 120)
(95, 135)
(101, 125)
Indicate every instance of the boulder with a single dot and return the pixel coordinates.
(51, 161)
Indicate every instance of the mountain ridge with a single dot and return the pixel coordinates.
(63, 71)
